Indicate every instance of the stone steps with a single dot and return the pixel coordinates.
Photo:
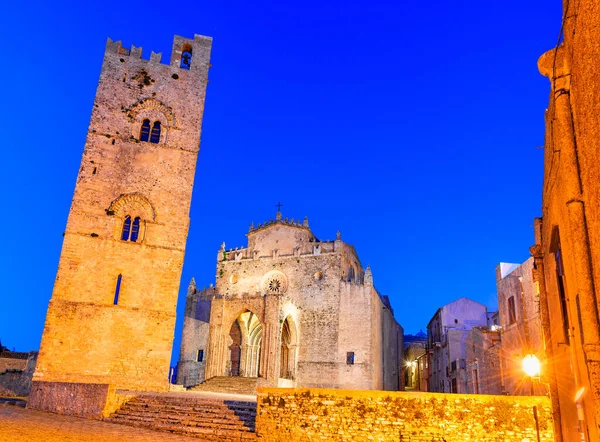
(17, 402)
(228, 384)
(207, 419)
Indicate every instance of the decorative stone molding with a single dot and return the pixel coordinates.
(152, 104)
(153, 110)
(536, 251)
(132, 204)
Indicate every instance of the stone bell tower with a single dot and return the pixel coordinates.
(111, 318)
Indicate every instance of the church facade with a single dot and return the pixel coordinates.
(291, 311)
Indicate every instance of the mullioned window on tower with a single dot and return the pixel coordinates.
(131, 230)
(150, 134)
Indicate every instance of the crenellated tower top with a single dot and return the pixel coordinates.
(182, 55)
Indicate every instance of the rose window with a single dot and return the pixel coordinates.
(274, 283)
(274, 286)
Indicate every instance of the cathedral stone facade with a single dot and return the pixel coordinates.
(291, 311)
(111, 318)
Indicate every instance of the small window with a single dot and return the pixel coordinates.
(145, 132)
(350, 358)
(117, 289)
(135, 229)
(350, 274)
(200, 356)
(155, 135)
(560, 275)
(512, 315)
(126, 229)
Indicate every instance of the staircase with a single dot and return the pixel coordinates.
(206, 418)
(228, 384)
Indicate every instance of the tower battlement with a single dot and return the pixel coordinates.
(181, 46)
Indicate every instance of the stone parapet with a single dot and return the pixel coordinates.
(338, 415)
(72, 399)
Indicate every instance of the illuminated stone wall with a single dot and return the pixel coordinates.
(328, 300)
(567, 250)
(90, 336)
(339, 415)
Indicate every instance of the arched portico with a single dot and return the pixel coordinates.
(244, 346)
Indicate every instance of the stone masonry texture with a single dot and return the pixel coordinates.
(295, 415)
(567, 250)
(90, 336)
(16, 375)
(324, 295)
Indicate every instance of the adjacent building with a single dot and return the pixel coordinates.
(520, 325)
(483, 369)
(291, 311)
(447, 334)
(567, 250)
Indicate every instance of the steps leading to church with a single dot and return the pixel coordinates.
(208, 419)
(228, 384)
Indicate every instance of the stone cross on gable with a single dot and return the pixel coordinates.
(278, 205)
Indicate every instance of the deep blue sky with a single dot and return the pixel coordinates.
(412, 127)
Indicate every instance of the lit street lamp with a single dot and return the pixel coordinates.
(532, 368)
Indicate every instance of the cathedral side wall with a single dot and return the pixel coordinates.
(195, 336)
(392, 348)
(355, 313)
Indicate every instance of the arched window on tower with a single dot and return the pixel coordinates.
(145, 131)
(135, 229)
(126, 228)
(155, 135)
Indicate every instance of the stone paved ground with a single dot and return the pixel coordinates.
(20, 425)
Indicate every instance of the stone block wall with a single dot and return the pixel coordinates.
(112, 314)
(16, 374)
(7, 364)
(341, 415)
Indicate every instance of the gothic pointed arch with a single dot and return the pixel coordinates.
(289, 345)
(244, 345)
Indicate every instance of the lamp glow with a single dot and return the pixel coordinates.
(531, 365)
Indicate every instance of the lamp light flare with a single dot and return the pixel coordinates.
(531, 365)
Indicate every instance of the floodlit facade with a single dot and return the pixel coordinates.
(111, 318)
(567, 250)
(291, 311)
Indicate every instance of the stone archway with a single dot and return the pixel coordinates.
(287, 354)
(244, 349)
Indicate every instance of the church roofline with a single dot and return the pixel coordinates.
(279, 221)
